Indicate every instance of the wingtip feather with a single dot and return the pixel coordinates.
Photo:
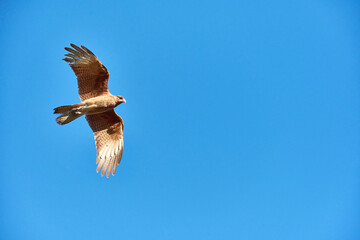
(87, 50)
(70, 60)
(81, 51)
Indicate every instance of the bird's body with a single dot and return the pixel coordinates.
(93, 105)
(98, 104)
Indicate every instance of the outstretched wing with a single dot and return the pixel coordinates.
(108, 131)
(92, 75)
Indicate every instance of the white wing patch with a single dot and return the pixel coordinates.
(109, 157)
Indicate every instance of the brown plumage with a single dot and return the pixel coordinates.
(98, 105)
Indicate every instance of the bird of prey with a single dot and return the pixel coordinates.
(97, 104)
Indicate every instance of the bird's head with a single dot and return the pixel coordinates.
(120, 100)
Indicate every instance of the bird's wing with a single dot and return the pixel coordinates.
(92, 75)
(108, 131)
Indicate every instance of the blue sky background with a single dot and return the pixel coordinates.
(241, 121)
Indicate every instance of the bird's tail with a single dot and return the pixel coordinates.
(69, 113)
(66, 108)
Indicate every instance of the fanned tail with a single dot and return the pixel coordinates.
(69, 113)
(66, 108)
(68, 117)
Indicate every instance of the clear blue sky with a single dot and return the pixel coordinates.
(241, 122)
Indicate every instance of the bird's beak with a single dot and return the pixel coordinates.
(124, 101)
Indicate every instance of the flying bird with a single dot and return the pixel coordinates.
(97, 104)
